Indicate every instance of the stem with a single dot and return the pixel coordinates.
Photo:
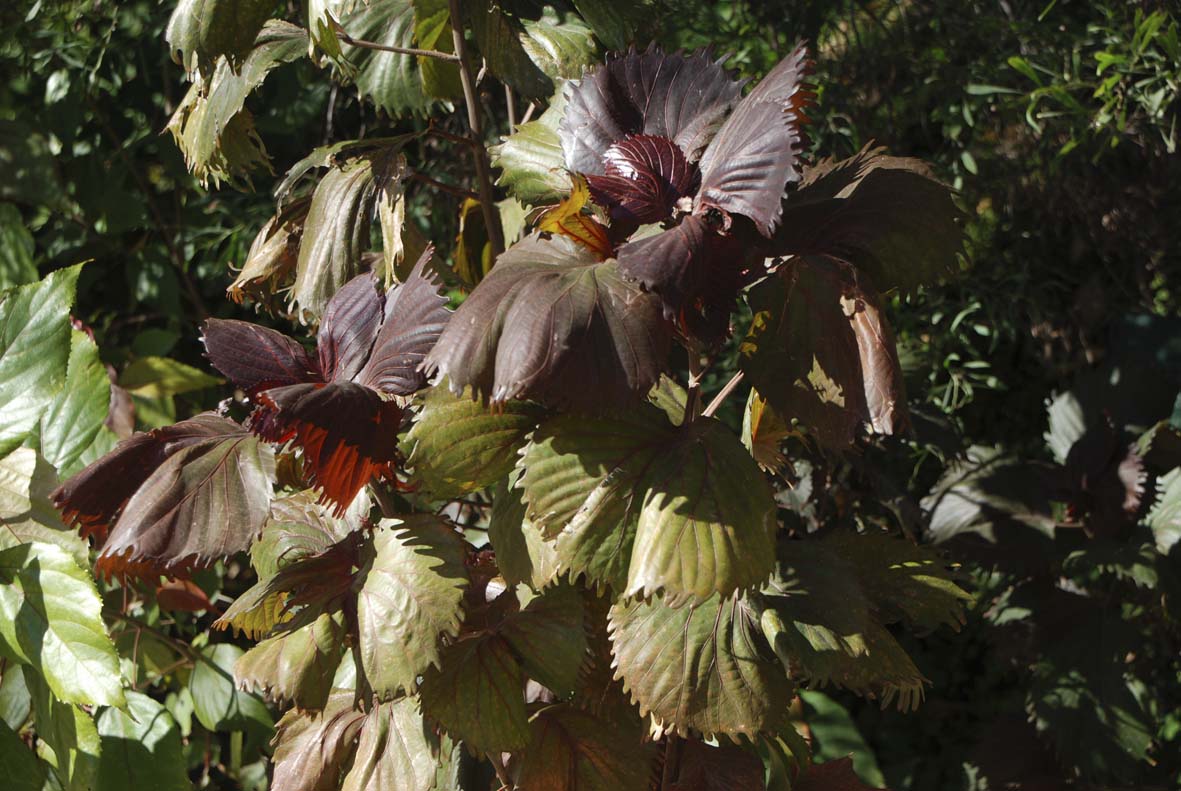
(476, 131)
(458, 192)
(672, 757)
(512, 109)
(235, 752)
(694, 389)
(722, 395)
(363, 44)
(501, 772)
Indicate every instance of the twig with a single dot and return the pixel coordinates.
(476, 131)
(459, 192)
(532, 108)
(501, 772)
(722, 395)
(363, 44)
(672, 756)
(512, 109)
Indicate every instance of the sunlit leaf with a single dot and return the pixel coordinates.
(1165, 516)
(458, 445)
(34, 350)
(394, 750)
(531, 161)
(561, 45)
(296, 666)
(26, 513)
(75, 417)
(703, 667)
(51, 619)
(522, 554)
(409, 596)
(157, 377)
(392, 81)
(763, 430)
(312, 749)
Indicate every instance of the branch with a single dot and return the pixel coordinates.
(722, 395)
(363, 44)
(459, 192)
(476, 134)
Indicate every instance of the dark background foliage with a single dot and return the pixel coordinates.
(1073, 271)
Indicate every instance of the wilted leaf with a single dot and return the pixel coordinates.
(51, 619)
(477, 694)
(26, 514)
(763, 431)
(573, 750)
(270, 264)
(395, 750)
(408, 597)
(553, 323)
(217, 701)
(312, 749)
(820, 352)
(886, 215)
(141, 748)
(211, 125)
(296, 666)
(459, 445)
(703, 667)
(201, 31)
(644, 506)
(34, 350)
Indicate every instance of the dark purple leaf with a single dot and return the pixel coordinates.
(256, 358)
(348, 328)
(415, 315)
(754, 156)
(94, 496)
(820, 352)
(887, 215)
(206, 496)
(726, 767)
(1105, 481)
(554, 324)
(644, 178)
(677, 96)
(348, 433)
(695, 271)
(834, 775)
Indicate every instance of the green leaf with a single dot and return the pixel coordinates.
(26, 514)
(68, 739)
(29, 165)
(51, 618)
(499, 36)
(16, 249)
(299, 527)
(395, 750)
(74, 418)
(1165, 516)
(645, 506)
(156, 377)
(34, 350)
(408, 596)
(432, 31)
(703, 667)
(297, 666)
(394, 82)
(312, 748)
(561, 45)
(212, 126)
(522, 554)
(573, 750)
(18, 764)
(141, 748)
(549, 638)
(217, 702)
(201, 31)
(477, 695)
(835, 735)
(614, 23)
(532, 165)
(460, 445)
(15, 703)
(820, 352)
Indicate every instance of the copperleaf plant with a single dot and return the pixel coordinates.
(507, 530)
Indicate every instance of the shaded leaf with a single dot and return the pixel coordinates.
(201, 31)
(67, 737)
(614, 24)
(157, 377)
(270, 263)
(820, 352)
(499, 36)
(52, 620)
(16, 249)
(522, 554)
(459, 445)
(217, 702)
(34, 350)
(19, 765)
(835, 736)
(549, 638)
(141, 748)
(477, 695)
(395, 750)
(554, 324)
(409, 596)
(392, 81)
(573, 750)
(834, 775)
(703, 667)
(296, 666)
(726, 767)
